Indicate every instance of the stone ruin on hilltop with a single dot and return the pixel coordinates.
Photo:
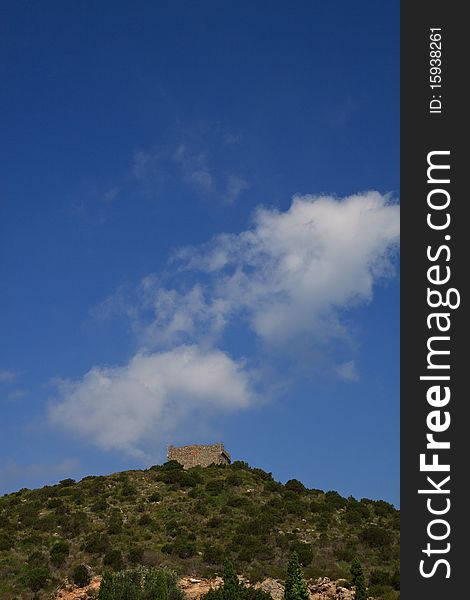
(199, 455)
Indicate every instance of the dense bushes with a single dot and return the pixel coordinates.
(376, 537)
(96, 543)
(197, 518)
(140, 584)
(212, 554)
(113, 559)
(36, 576)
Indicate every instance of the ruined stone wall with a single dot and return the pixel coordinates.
(199, 455)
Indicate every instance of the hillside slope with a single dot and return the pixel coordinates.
(190, 520)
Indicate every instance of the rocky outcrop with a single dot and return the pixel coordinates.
(326, 589)
(320, 589)
(195, 588)
(273, 587)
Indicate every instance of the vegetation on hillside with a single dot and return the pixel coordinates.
(189, 521)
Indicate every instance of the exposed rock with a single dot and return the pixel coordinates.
(326, 589)
(273, 587)
(195, 588)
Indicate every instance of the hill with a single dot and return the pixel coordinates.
(190, 520)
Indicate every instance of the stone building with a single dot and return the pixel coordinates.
(199, 455)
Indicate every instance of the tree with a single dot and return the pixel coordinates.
(296, 586)
(140, 584)
(358, 580)
(231, 587)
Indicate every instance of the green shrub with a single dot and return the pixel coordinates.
(201, 508)
(59, 552)
(260, 474)
(6, 542)
(273, 486)
(115, 522)
(260, 524)
(303, 551)
(183, 548)
(295, 507)
(36, 577)
(214, 522)
(395, 580)
(233, 480)
(212, 555)
(173, 528)
(190, 479)
(81, 576)
(113, 559)
(379, 577)
(67, 482)
(375, 536)
(75, 524)
(215, 486)
(155, 497)
(335, 500)
(96, 543)
(99, 506)
(324, 521)
(294, 485)
(241, 465)
(237, 501)
(171, 465)
(344, 554)
(135, 555)
(167, 548)
(145, 520)
(383, 509)
(128, 490)
(4, 521)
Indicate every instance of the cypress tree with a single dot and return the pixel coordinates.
(358, 580)
(296, 586)
(231, 588)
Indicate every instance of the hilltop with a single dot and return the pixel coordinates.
(190, 520)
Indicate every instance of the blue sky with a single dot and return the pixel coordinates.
(198, 238)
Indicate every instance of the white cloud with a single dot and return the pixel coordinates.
(140, 404)
(293, 272)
